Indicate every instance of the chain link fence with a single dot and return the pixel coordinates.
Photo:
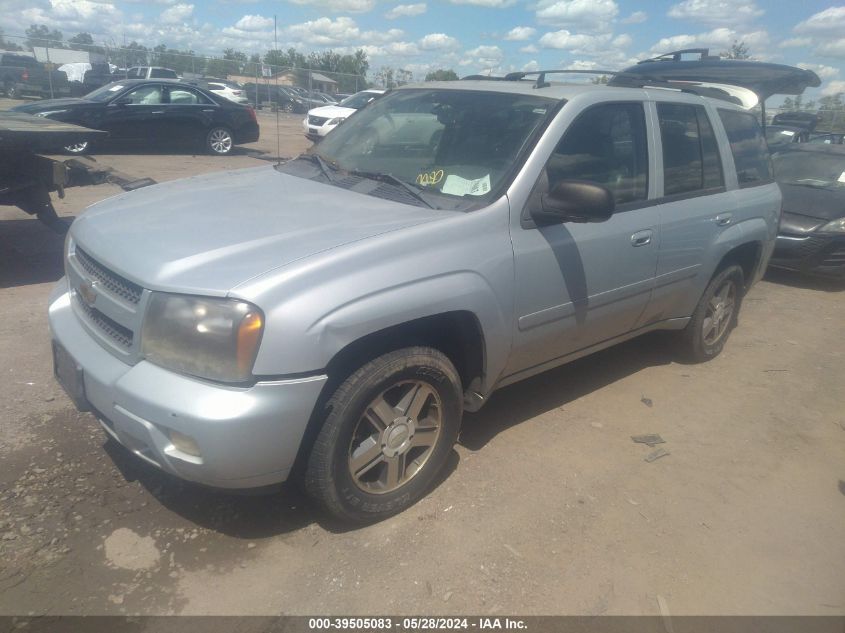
(255, 76)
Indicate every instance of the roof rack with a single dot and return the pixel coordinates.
(541, 75)
(677, 56)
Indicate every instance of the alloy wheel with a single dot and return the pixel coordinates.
(395, 436)
(220, 141)
(719, 313)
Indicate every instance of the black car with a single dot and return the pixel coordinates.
(156, 111)
(811, 237)
(779, 135)
(286, 98)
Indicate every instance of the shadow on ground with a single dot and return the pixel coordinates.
(800, 280)
(30, 252)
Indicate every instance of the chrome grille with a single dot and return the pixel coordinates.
(316, 120)
(120, 335)
(112, 282)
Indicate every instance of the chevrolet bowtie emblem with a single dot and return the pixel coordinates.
(88, 292)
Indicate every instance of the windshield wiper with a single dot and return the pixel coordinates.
(325, 167)
(393, 180)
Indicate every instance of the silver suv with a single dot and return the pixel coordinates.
(332, 317)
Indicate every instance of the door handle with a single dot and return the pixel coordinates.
(641, 238)
(208, 110)
(157, 112)
(723, 219)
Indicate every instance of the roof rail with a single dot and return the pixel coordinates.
(541, 75)
(677, 56)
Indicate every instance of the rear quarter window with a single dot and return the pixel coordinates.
(749, 148)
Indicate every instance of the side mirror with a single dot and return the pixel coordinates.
(574, 201)
(123, 101)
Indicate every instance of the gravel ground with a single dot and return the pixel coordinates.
(548, 508)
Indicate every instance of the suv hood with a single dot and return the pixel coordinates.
(331, 111)
(207, 234)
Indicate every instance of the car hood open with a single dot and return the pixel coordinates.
(207, 234)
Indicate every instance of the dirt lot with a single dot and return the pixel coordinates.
(549, 507)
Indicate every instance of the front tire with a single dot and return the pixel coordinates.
(219, 141)
(715, 315)
(389, 431)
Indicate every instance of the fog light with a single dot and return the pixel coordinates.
(184, 443)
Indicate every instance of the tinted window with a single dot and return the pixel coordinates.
(162, 73)
(134, 73)
(145, 95)
(185, 96)
(605, 145)
(690, 153)
(748, 146)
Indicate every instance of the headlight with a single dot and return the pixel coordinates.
(836, 226)
(202, 336)
(336, 120)
(49, 112)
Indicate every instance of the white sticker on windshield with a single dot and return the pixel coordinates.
(787, 132)
(117, 87)
(457, 186)
(841, 177)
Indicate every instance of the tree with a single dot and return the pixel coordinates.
(8, 46)
(40, 35)
(738, 50)
(601, 79)
(441, 75)
(134, 54)
(389, 77)
(85, 42)
(832, 113)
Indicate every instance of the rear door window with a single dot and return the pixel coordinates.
(748, 146)
(690, 154)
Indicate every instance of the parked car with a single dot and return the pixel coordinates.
(827, 138)
(146, 72)
(85, 77)
(335, 328)
(154, 111)
(228, 89)
(811, 238)
(284, 97)
(779, 135)
(325, 96)
(323, 119)
(22, 75)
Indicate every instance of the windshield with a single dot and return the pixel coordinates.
(358, 100)
(106, 92)
(811, 169)
(456, 144)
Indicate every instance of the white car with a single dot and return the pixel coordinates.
(229, 91)
(321, 121)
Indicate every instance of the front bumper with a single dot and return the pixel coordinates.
(247, 436)
(813, 254)
(316, 132)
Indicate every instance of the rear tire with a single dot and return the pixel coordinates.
(219, 141)
(12, 91)
(715, 315)
(289, 107)
(389, 432)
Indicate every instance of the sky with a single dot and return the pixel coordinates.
(468, 36)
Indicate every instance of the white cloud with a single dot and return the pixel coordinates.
(342, 31)
(531, 66)
(402, 49)
(530, 49)
(596, 14)
(716, 12)
(830, 21)
(796, 42)
(254, 23)
(486, 56)
(438, 41)
(717, 40)
(577, 43)
(834, 87)
(177, 14)
(622, 41)
(582, 64)
(832, 48)
(637, 17)
(406, 10)
(520, 33)
(493, 4)
(824, 72)
(340, 6)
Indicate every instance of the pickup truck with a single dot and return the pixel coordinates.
(24, 75)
